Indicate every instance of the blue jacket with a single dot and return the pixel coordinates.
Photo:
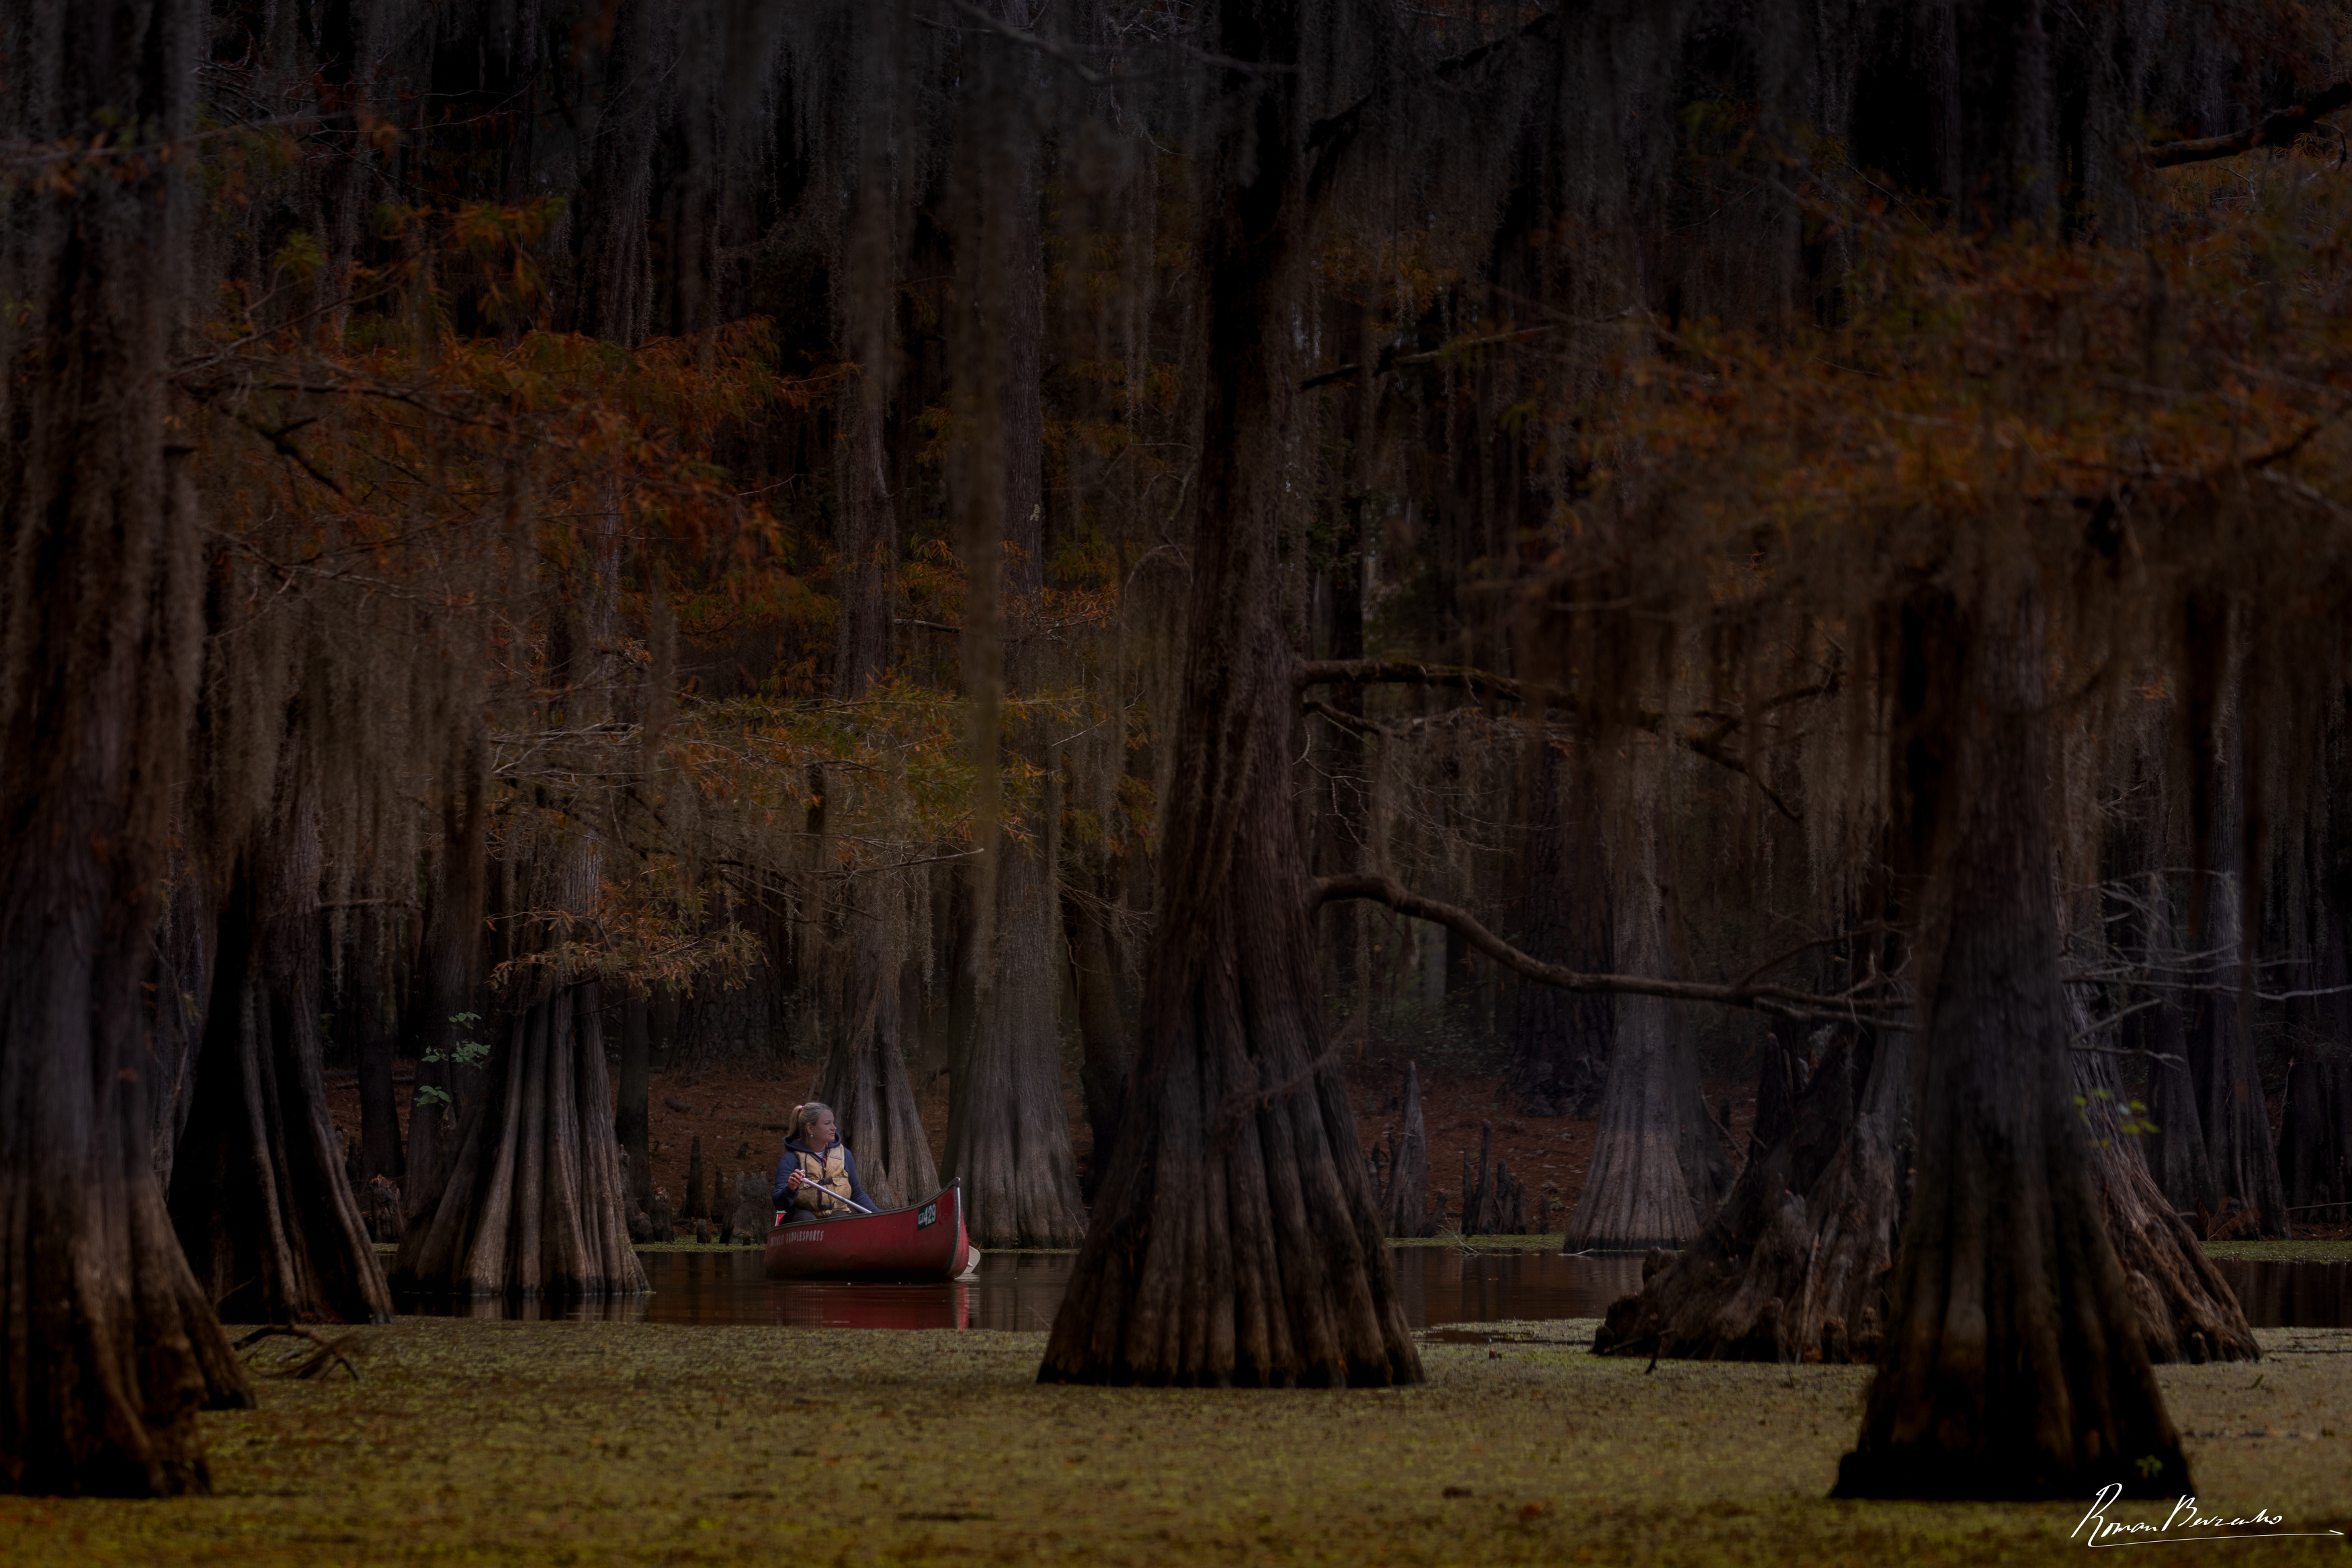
(786, 1165)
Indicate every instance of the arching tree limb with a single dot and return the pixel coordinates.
(1028, 40)
(1390, 361)
(2279, 128)
(1404, 672)
(1713, 749)
(1775, 1000)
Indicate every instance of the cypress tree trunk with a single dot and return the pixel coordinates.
(1778, 1080)
(1658, 1169)
(1793, 1267)
(1404, 1203)
(1560, 1054)
(2187, 1310)
(379, 1106)
(865, 1079)
(2307, 1154)
(2335, 1024)
(1236, 1238)
(2338, 1084)
(449, 987)
(107, 1345)
(2177, 1147)
(1008, 1130)
(2239, 1149)
(865, 1076)
(864, 282)
(534, 1205)
(868, 551)
(1346, 786)
(2015, 1364)
(619, 120)
(2314, 1128)
(259, 1195)
(633, 1114)
(1109, 1052)
(183, 979)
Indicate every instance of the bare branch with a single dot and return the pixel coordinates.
(281, 438)
(1714, 752)
(1432, 356)
(1776, 999)
(329, 1354)
(2279, 128)
(1347, 720)
(2129, 1051)
(1046, 47)
(1403, 672)
(1869, 928)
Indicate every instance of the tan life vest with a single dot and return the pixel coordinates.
(822, 1175)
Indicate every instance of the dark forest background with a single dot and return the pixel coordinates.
(1168, 552)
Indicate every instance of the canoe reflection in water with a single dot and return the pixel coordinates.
(730, 1288)
(1022, 1291)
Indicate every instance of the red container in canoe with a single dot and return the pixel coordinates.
(924, 1242)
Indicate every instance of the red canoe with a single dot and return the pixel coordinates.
(924, 1242)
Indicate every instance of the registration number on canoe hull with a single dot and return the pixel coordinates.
(804, 1236)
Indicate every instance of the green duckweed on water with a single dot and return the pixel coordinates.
(475, 1441)
(2282, 1251)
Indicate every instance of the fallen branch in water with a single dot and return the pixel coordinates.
(329, 1354)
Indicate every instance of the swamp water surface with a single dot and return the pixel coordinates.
(1443, 1287)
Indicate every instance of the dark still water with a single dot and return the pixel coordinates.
(1443, 1287)
(2291, 1295)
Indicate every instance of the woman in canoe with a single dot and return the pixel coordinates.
(817, 1171)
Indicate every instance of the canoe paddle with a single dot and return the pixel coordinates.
(837, 1197)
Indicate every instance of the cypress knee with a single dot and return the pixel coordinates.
(1407, 1194)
